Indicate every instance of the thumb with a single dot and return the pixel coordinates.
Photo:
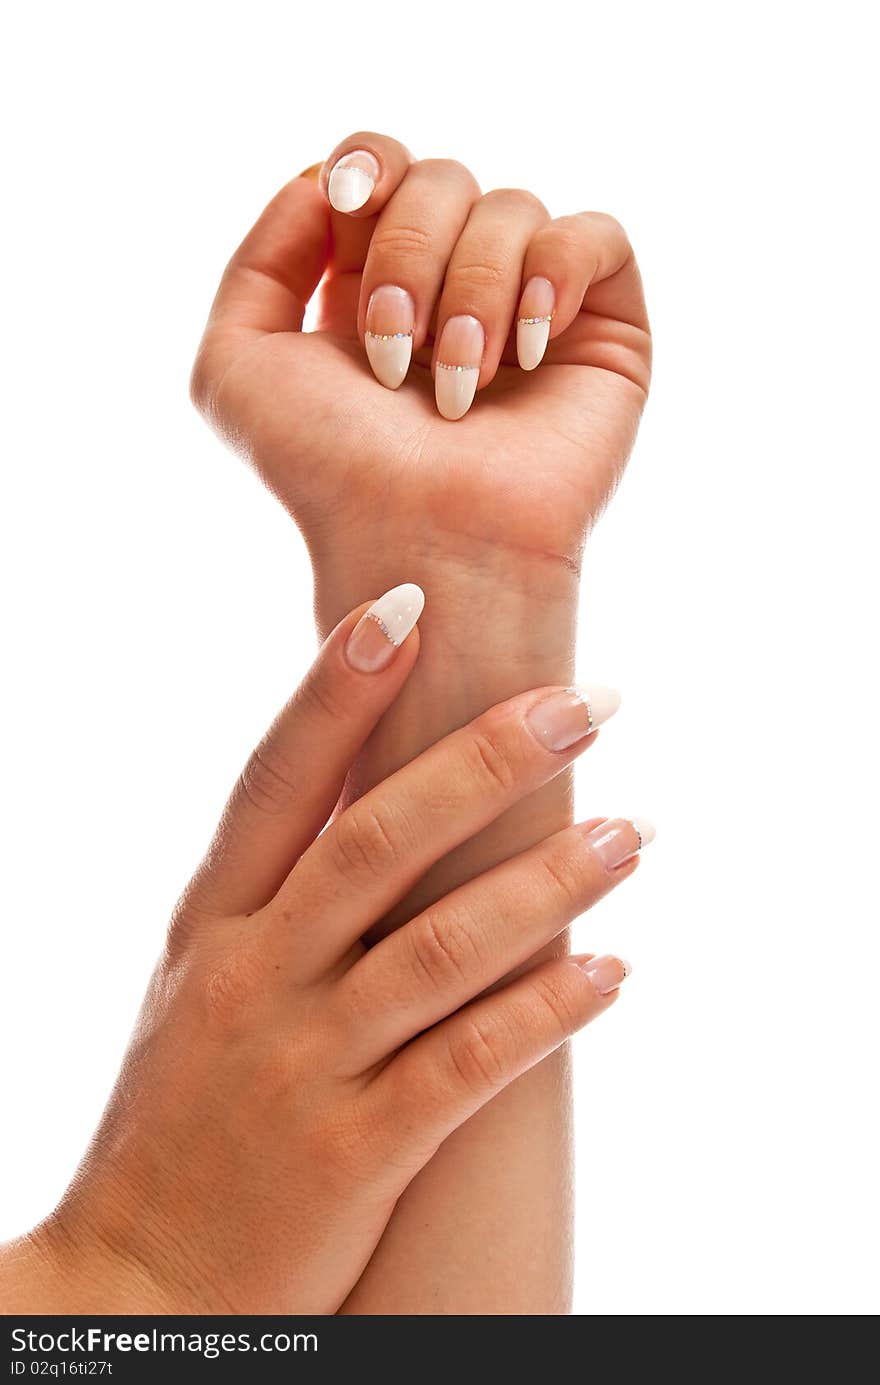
(267, 283)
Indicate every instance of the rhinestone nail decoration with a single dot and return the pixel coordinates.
(585, 702)
(441, 365)
(534, 321)
(383, 627)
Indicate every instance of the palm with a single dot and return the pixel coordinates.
(529, 466)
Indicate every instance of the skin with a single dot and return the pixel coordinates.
(285, 1083)
(489, 514)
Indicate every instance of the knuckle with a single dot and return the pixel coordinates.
(212, 359)
(448, 171)
(351, 1143)
(402, 242)
(476, 277)
(232, 988)
(267, 780)
(443, 950)
(363, 139)
(366, 842)
(200, 383)
(194, 916)
(478, 1054)
(317, 699)
(490, 754)
(351, 1008)
(563, 876)
(563, 237)
(605, 222)
(516, 200)
(556, 1011)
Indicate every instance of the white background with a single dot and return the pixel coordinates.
(157, 601)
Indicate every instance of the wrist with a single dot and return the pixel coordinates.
(496, 622)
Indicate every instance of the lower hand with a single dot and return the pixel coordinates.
(285, 1083)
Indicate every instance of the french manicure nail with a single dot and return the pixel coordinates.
(533, 323)
(381, 630)
(388, 339)
(566, 717)
(619, 839)
(352, 180)
(604, 974)
(459, 357)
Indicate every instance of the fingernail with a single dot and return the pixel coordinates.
(381, 630)
(533, 323)
(566, 717)
(388, 340)
(459, 357)
(604, 974)
(619, 839)
(352, 180)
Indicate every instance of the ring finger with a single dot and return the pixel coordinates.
(480, 295)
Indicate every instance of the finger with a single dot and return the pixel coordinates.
(574, 264)
(479, 934)
(268, 281)
(365, 165)
(362, 172)
(439, 1081)
(375, 851)
(480, 295)
(293, 779)
(409, 251)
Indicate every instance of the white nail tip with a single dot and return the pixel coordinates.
(602, 702)
(531, 343)
(349, 188)
(389, 358)
(398, 610)
(645, 830)
(454, 389)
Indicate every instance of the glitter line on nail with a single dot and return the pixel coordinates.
(382, 626)
(388, 336)
(441, 365)
(534, 321)
(585, 702)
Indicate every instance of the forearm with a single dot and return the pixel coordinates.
(486, 1227)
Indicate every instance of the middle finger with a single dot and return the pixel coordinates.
(480, 295)
(406, 262)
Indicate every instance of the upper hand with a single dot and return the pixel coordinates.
(531, 463)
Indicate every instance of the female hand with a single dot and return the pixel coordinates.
(285, 1084)
(416, 259)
